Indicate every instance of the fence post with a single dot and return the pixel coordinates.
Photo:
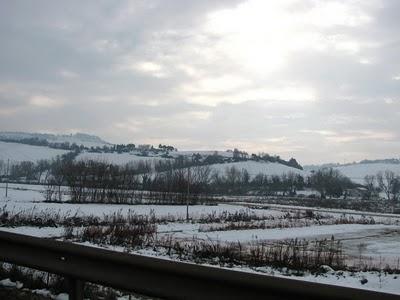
(75, 288)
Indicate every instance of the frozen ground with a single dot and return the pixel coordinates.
(375, 281)
(16, 152)
(117, 158)
(28, 197)
(381, 242)
(203, 153)
(43, 232)
(332, 211)
(21, 193)
(254, 168)
(101, 209)
(356, 172)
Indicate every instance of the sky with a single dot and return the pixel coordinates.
(318, 80)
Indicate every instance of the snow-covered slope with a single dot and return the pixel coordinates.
(77, 138)
(203, 153)
(116, 158)
(19, 152)
(254, 168)
(357, 172)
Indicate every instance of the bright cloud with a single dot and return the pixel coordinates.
(314, 78)
(44, 101)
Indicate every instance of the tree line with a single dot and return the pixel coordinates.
(386, 182)
(96, 180)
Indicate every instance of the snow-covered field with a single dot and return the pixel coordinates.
(254, 168)
(117, 158)
(381, 241)
(16, 152)
(357, 172)
(202, 153)
(77, 138)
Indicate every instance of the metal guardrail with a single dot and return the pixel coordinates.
(159, 277)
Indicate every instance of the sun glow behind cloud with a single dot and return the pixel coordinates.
(261, 34)
(214, 75)
(259, 38)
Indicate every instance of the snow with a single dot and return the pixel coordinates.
(254, 168)
(203, 153)
(77, 138)
(16, 152)
(8, 283)
(101, 209)
(357, 171)
(30, 197)
(43, 292)
(42, 232)
(62, 296)
(376, 281)
(373, 280)
(21, 195)
(117, 158)
(382, 241)
(325, 231)
(325, 210)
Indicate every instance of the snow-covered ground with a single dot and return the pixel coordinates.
(16, 152)
(77, 138)
(42, 232)
(381, 241)
(373, 280)
(101, 209)
(203, 153)
(325, 231)
(117, 158)
(254, 168)
(357, 172)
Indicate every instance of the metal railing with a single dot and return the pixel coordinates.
(159, 277)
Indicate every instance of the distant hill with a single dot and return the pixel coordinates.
(79, 139)
(17, 152)
(358, 170)
(259, 167)
(20, 146)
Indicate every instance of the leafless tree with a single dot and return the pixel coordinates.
(369, 183)
(385, 182)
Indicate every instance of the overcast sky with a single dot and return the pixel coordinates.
(314, 80)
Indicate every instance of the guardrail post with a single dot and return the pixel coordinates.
(75, 288)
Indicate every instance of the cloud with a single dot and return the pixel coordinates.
(68, 74)
(44, 101)
(148, 67)
(314, 79)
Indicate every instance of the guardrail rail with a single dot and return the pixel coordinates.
(160, 277)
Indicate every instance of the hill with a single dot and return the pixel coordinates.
(16, 152)
(79, 139)
(23, 146)
(256, 167)
(357, 171)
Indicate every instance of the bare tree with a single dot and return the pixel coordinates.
(369, 183)
(385, 182)
(2, 168)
